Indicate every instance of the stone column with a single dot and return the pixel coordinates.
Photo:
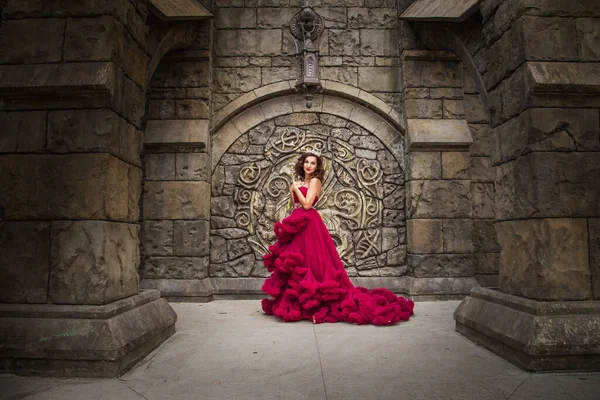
(543, 78)
(177, 166)
(439, 209)
(71, 178)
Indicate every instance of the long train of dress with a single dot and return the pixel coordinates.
(308, 279)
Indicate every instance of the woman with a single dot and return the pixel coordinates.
(308, 279)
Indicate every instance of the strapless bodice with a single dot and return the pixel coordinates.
(304, 190)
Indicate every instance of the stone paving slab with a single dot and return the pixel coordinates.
(229, 349)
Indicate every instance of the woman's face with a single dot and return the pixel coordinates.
(310, 165)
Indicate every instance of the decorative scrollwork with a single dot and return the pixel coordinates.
(249, 174)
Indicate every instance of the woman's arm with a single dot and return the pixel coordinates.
(314, 188)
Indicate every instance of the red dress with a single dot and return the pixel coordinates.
(308, 279)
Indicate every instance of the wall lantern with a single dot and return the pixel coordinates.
(306, 26)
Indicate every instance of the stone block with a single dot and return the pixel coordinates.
(161, 109)
(218, 248)
(182, 74)
(482, 169)
(235, 18)
(31, 41)
(439, 199)
(278, 74)
(191, 238)
(424, 236)
(240, 267)
(453, 109)
(192, 167)
(93, 262)
(237, 248)
(396, 256)
(249, 42)
(423, 108)
(274, 17)
(594, 246)
(484, 236)
(424, 165)
(539, 254)
(486, 263)
(546, 129)
(379, 42)
(431, 74)
(482, 140)
(159, 166)
(446, 94)
(74, 186)
(344, 42)
(156, 238)
(192, 109)
(343, 3)
(177, 132)
(436, 134)
(22, 132)
(456, 165)
(237, 80)
(102, 131)
(373, 18)
(475, 111)
(223, 206)
(548, 185)
(532, 38)
(24, 262)
(588, 32)
(333, 17)
(482, 196)
(379, 79)
(458, 235)
(441, 265)
(176, 200)
(347, 75)
(175, 268)
(105, 38)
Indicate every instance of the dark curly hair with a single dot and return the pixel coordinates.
(299, 167)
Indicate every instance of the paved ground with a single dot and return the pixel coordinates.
(230, 350)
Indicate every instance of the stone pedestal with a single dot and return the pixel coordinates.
(83, 340)
(535, 335)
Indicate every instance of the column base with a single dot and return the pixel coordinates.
(534, 335)
(208, 289)
(83, 340)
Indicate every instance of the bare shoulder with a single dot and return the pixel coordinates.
(316, 182)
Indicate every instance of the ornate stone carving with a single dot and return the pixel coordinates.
(355, 199)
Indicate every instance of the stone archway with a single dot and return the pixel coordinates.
(363, 196)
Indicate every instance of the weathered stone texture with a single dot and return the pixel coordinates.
(192, 167)
(236, 80)
(22, 132)
(432, 74)
(344, 42)
(76, 131)
(93, 262)
(105, 39)
(176, 200)
(347, 75)
(373, 18)
(240, 267)
(475, 111)
(156, 238)
(182, 74)
(423, 108)
(425, 236)
(482, 196)
(546, 129)
(379, 79)
(457, 234)
(548, 185)
(379, 42)
(588, 32)
(453, 109)
(439, 199)
(192, 109)
(424, 165)
(260, 42)
(24, 261)
(30, 41)
(161, 109)
(71, 186)
(484, 236)
(235, 18)
(175, 268)
(594, 246)
(191, 238)
(545, 259)
(456, 165)
(441, 265)
(159, 166)
(482, 139)
(482, 169)
(486, 263)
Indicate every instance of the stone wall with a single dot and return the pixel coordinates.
(254, 48)
(362, 200)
